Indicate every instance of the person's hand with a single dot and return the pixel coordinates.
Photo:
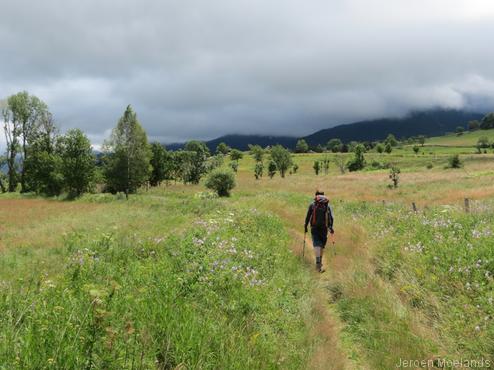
(331, 231)
(305, 229)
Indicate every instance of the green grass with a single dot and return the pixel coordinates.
(467, 139)
(209, 296)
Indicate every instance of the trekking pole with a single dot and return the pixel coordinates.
(303, 250)
(334, 247)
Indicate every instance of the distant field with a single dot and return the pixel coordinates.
(467, 139)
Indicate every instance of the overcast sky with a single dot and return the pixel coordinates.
(201, 69)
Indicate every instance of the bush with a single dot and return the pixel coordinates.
(454, 161)
(221, 181)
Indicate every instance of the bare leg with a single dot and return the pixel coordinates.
(318, 253)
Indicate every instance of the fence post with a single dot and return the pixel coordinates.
(414, 206)
(467, 205)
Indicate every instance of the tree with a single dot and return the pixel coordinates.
(3, 161)
(391, 140)
(26, 110)
(334, 145)
(487, 122)
(379, 148)
(302, 146)
(483, 142)
(421, 139)
(459, 130)
(317, 167)
(183, 164)
(159, 162)
(454, 161)
(78, 162)
(128, 155)
(199, 164)
(473, 125)
(319, 148)
(272, 169)
(222, 148)
(236, 155)
(258, 170)
(394, 175)
(221, 181)
(282, 157)
(234, 166)
(43, 165)
(358, 162)
(388, 148)
(416, 149)
(12, 129)
(257, 152)
(339, 160)
(325, 164)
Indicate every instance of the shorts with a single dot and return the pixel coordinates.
(319, 238)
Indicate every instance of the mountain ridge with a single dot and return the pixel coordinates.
(435, 122)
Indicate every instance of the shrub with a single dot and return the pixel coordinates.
(429, 166)
(454, 161)
(316, 167)
(272, 169)
(358, 162)
(394, 175)
(221, 181)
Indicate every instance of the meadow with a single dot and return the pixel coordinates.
(178, 278)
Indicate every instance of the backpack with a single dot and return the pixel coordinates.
(319, 217)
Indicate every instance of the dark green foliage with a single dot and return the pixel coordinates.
(222, 148)
(258, 170)
(282, 157)
(127, 159)
(234, 166)
(199, 160)
(295, 168)
(236, 155)
(390, 139)
(317, 167)
(358, 161)
(272, 169)
(319, 148)
(394, 175)
(460, 130)
(416, 149)
(454, 161)
(161, 164)
(221, 181)
(302, 146)
(473, 125)
(334, 145)
(257, 152)
(388, 148)
(78, 162)
(379, 148)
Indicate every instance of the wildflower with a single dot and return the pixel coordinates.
(477, 328)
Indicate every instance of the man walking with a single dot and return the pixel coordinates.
(320, 216)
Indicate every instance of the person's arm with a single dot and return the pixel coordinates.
(330, 219)
(307, 218)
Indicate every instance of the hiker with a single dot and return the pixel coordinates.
(320, 216)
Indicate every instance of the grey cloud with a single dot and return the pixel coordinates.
(196, 69)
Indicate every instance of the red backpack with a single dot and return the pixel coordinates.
(320, 212)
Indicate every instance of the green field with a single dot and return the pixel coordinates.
(178, 278)
(466, 139)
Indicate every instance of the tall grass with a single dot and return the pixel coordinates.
(224, 293)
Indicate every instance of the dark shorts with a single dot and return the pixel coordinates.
(319, 238)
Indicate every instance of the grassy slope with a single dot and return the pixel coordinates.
(467, 139)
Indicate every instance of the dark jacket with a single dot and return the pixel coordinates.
(309, 216)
